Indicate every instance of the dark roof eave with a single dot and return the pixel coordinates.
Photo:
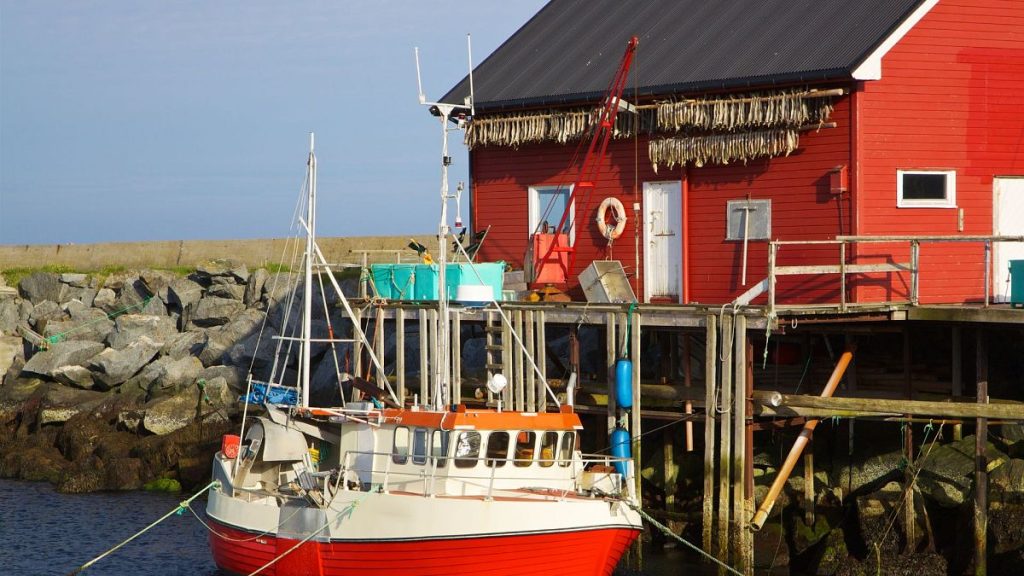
(750, 82)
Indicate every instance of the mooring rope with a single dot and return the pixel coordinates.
(177, 510)
(668, 532)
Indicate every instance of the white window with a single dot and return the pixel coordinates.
(750, 219)
(546, 205)
(926, 188)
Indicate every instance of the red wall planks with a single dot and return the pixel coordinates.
(949, 99)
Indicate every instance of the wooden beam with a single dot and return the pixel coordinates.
(863, 406)
(400, 353)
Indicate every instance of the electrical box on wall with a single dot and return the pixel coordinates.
(839, 179)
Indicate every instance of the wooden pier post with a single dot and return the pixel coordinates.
(748, 484)
(610, 342)
(981, 463)
(541, 358)
(957, 375)
(432, 382)
(378, 344)
(725, 455)
(710, 378)
(507, 370)
(518, 362)
(635, 424)
(531, 351)
(739, 446)
(456, 351)
(424, 365)
(400, 353)
(357, 346)
(688, 383)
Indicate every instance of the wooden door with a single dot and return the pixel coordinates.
(1008, 220)
(663, 241)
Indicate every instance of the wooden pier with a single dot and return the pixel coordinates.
(712, 366)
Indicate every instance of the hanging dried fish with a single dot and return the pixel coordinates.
(722, 148)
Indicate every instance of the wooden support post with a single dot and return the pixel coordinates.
(507, 370)
(574, 359)
(357, 346)
(668, 458)
(456, 352)
(725, 456)
(738, 524)
(957, 375)
(610, 354)
(748, 485)
(635, 424)
(432, 382)
(541, 358)
(981, 463)
(400, 353)
(378, 344)
(909, 511)
(710, 378)
(688, 383)
(531, 350)
(424, 365)
(519, 362)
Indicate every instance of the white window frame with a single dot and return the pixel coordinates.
(948, 202)
(535, 208)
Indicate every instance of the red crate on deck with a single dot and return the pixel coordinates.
(229, 445)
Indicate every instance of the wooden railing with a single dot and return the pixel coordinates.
(843, 268)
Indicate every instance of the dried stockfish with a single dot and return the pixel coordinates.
(722, 148)
(774, 110)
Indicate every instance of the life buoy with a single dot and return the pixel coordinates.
(618, 213)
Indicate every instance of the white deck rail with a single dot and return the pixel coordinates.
(844, 268)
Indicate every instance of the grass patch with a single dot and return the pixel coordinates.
(277, 268)
(12, 276)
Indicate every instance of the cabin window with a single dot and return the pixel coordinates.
(525, 445)
(400, 450)
(926, 188)
(750, 219)
(419, 446)
(497, 449)
(439, 447)
(565, 451)
(548, 444)
(467, 450)
(546, 205)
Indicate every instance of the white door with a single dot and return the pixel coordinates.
(663, 241)
(1008, 221)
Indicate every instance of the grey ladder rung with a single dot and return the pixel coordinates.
(493, 329)
(494, 366)
(494, 347)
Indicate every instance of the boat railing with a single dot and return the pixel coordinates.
(435, 468)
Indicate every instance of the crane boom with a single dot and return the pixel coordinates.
(590, 167)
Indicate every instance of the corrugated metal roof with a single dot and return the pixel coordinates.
(570, 49)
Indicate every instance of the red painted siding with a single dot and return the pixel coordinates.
(798, 185)
(949, 99)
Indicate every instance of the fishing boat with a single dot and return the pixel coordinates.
(420, 486)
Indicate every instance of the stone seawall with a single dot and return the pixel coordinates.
(191, 253)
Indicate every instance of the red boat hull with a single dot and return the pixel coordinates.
(583, 553)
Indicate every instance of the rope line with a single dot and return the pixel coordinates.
(668, 532)
(177, 510)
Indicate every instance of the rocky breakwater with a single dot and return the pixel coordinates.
(110, 383)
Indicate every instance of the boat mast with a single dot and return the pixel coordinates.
(307, 300)
(442, 349)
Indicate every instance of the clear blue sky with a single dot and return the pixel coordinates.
(173, 119)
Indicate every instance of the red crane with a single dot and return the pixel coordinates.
(590, 169)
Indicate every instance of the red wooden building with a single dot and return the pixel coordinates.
(758, 121)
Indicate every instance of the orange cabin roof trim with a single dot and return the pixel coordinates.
(485, 420)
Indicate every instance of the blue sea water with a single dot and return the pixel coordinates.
(43, 533)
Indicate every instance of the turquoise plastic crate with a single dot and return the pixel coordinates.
(394, 281)
(492, 274)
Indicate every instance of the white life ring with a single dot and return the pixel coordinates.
(618, 213)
